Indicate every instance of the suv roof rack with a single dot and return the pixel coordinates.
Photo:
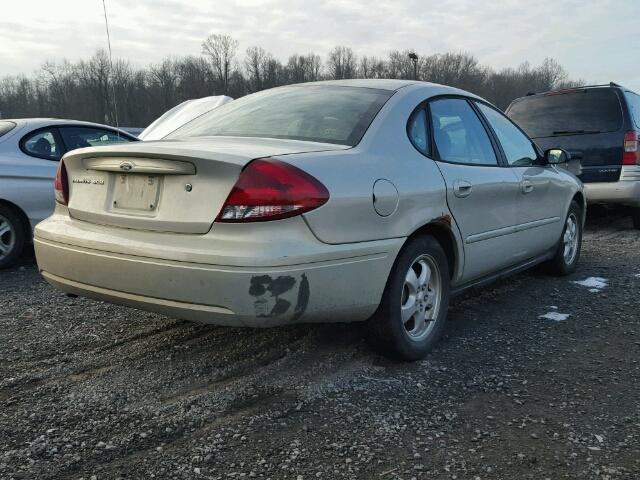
(610, 84)
(568, 89)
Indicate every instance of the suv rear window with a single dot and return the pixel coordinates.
(331, 114)
(634, 105)
(6, 127)
(593, 110)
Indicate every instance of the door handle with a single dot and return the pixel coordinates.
(526, 186)
(462, 188)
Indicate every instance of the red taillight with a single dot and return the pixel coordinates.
(61, 185)
(269, 190)
(631, 155)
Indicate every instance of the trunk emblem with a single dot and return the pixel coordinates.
(126, 166)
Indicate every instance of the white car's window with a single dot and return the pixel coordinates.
(80, 137)
(417, 131)
(517, 147)
(459, 135)
(6, 127)
(330, 114)
(42, 144)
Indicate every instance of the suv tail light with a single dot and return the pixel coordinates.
(61, 185)
(269, 190)
(631, 155)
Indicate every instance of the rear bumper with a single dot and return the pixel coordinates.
(624, 192)
(345, 288)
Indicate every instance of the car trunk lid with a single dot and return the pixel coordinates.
(171, 186)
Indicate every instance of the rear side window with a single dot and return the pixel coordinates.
(417, 131)
(633, 99)
(593, 110)
(517, 147)
(42, 144)
(81, 137)
(459, 135)
(6, 127)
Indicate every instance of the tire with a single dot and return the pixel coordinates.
(12, 237)
(567, 254)
(635, 216)
(413, 339)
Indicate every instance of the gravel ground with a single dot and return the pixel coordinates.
(96, 391)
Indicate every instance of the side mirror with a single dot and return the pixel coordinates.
(556, 156)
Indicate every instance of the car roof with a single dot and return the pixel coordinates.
(429, 89)
(379, 83)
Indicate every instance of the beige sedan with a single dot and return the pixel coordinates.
(326, 202)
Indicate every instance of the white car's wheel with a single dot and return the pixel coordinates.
(414, 306)
(12, 236)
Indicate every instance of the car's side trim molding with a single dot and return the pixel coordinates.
(507, 272)
(479, 237)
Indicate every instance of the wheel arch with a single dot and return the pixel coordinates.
(581, 200)
(442, 230)
(26, 224)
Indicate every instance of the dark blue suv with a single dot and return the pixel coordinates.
(600, 126)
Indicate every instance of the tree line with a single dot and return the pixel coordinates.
(120, 93)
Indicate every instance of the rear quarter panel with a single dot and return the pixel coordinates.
(27, 182)
(385, 152)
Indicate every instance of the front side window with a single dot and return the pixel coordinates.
(329, 114)
(459, 135)
(80, 137)
(417, 131)
(517, 147)
(42, 144)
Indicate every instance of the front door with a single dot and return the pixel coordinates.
(481, 193)
(542, 198)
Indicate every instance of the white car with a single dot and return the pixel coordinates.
(30, 150)
(181, 114)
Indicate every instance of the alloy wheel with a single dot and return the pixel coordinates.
(7, 237)
(421, 298)
(570, 239)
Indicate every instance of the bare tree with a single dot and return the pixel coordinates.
(304, 68)
(341, 63)
(221, 51)
(85, 90)
(371, 67)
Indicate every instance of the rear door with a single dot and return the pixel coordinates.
(481, 193)
(542, 194)
(588, 123)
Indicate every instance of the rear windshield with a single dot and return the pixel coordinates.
(6, 127)
(572, 113)
(634, 104)
(330, 114)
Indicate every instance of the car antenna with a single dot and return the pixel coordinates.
(113, 85)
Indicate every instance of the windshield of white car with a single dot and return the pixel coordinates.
(317, 113)
(6, 127)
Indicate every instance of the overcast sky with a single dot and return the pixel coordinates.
(594, 40)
